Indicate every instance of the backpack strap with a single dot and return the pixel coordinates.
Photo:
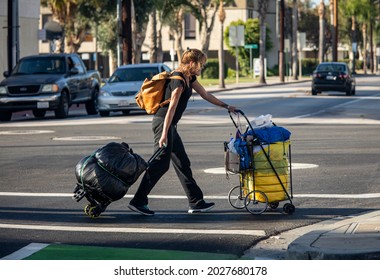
(178, 76)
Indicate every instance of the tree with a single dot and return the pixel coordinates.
(294, 35)
(321, 12)
(262, 10)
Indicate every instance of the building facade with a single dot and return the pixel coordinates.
(28, 20)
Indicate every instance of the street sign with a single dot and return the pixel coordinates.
(251, 46)
(236, 36)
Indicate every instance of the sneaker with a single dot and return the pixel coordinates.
(144, 210)
(201, 207)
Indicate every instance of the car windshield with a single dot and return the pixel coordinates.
(132, 74)
(331, 67)
(40, 65)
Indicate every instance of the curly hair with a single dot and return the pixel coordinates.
(192, 55)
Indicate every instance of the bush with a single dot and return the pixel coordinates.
(211, 70)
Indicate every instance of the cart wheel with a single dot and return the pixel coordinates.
(256, 202)
(289, 208)
(236, 198)
(274, 205)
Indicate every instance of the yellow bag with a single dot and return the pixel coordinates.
(152, 92)
(263, 178)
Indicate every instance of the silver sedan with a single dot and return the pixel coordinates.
(118, 94)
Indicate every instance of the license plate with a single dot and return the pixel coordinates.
(123, 103)
(42, 105)
(330, 78)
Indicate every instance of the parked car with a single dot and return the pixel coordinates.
(333, 76)
(118, 93)
(48, 82)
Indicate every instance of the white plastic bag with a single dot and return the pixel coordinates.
(262, 121)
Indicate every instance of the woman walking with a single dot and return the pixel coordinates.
(164, 127)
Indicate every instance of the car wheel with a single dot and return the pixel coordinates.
(38, 113)
(5, 116)
(63, 107)
(104, 113)
(92, 105)
(314, 92)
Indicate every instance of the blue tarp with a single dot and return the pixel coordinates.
(270, 134)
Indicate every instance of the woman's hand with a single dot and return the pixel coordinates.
(232, 109)
(163, 142)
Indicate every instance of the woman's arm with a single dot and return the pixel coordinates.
(176, 94)
(211, 98)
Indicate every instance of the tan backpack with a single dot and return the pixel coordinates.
(152, 91)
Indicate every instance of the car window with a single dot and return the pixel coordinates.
(133, 74)
(324, 67)
(166, 68)
(78, 64)
(40, 65)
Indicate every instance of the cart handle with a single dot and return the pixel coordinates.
(242, 113)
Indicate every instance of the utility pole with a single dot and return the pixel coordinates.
(13, 34)
(282, 41)
(222, 17)
(335, 41)
(126, 19)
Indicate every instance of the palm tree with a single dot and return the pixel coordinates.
(262, 10)
(321, 12)
(295, 47)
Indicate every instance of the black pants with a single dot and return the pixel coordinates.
(175, 151)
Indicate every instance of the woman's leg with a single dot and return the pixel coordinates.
(181, 164)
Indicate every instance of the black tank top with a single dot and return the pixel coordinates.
(171, 85)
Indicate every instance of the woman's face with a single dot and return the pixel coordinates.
(197, 67)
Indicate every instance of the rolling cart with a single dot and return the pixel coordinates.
(264, 169)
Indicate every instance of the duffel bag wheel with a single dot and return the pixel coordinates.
(236, 198)
(87, 209)
(92, 211)
(289, 208)
(273, 205)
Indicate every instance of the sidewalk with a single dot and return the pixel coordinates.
(342, 238)
(273, 80)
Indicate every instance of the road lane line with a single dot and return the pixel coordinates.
(221, 197)
(135, 230)
(26, 251)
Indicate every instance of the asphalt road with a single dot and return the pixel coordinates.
(335, 152)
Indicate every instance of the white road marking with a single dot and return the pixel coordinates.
(25, 132)
(219, 197)
(26, 251)
(134, 230)
(85, 138)
(192, 119)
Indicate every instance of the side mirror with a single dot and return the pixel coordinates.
(74, 71)
(6, 74)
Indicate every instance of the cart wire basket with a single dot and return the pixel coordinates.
(263, 165)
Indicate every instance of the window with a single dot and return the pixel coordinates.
(190, 26)
(78, 64)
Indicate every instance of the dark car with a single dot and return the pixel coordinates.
(48, 82)
(333, 76)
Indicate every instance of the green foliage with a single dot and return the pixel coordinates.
(211, 71)
(251, 36)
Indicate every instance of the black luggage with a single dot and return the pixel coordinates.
(107, 174)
